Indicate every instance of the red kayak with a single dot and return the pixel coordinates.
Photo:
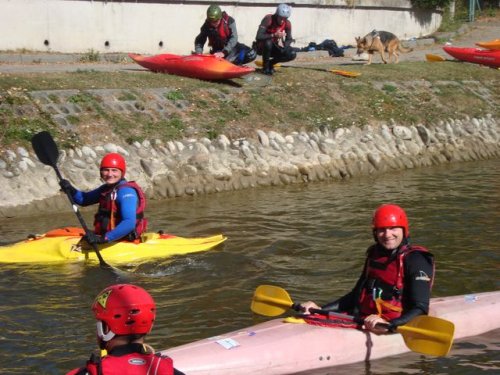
(206, 67)
(475, 55)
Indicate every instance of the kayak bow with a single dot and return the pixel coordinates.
(488, 57)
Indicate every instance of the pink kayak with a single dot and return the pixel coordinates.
(277, 347)
(206, 67)
(475, 55)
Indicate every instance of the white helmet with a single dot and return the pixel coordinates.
(284, 10)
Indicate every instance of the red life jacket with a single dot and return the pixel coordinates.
(130, 364)
(273, 27)
(108, 214)
(382, 293)
(219, 39)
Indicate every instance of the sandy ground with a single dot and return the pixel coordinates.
(467, 36)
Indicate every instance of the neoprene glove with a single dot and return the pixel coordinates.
(93, 238)
(67, 187)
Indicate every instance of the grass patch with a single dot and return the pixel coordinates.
(91, 56)
(297, 99)
(126, 96)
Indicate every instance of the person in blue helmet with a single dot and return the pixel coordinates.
(274, 39)
(120, 215)
(220, 30)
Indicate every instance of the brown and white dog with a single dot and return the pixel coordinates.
(380, 41)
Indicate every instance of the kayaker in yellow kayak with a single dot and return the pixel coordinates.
(396, 282)
(125, 314)
(220, 30)
(121, 203)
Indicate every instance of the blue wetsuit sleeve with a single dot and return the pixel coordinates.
(127, 202)
(88, 198)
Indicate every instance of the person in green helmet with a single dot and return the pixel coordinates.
(220, 30)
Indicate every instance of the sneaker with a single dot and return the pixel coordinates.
(268, 72)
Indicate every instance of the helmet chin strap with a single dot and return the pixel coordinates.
(100, 332)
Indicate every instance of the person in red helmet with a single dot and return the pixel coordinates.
(125, 314)
(396, 281)
(120, 215)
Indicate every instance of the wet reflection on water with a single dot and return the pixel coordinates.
(309, 239)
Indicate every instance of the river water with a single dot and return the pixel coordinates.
(309, 239)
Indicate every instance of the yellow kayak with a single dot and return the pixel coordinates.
(65, 244)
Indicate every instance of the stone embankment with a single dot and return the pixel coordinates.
(203, 166)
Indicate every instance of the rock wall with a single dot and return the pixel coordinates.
(202, 166)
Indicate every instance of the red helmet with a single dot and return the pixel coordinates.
(114, 160)
(125, 309)
(391, 215)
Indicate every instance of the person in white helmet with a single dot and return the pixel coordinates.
(274, 38)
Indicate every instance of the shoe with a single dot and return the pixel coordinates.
(268, 72)
(267, 68)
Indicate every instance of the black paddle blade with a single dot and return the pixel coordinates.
(45, 148)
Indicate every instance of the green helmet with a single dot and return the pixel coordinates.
(214, 13)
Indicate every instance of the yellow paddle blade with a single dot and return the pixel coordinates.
(428, 335)
(434, 58)
(345, 73)
(260, 64)
(270, 300)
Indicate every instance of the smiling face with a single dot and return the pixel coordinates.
(389, 237)
(111, 176)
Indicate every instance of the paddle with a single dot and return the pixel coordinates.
(423, 334)
(344, 73)
(46, 150)
(434, 58)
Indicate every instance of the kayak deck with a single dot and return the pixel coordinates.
(49, 248)
(276, 347)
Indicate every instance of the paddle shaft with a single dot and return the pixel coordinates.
(347, 74)
(102, 262)
(444, 337)
(48, 153)
(298, 307)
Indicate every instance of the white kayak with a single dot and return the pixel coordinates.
(278, 347)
